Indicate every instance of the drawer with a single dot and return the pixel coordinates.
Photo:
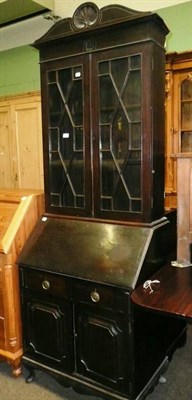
(101, 295)
(45, 282)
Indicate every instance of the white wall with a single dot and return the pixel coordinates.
(26, 32)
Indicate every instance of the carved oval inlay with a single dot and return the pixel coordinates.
(86, 14)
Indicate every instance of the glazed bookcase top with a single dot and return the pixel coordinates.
(103, 125)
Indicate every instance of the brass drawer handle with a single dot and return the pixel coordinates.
(46, 285)
(95, 297)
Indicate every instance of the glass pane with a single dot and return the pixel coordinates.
(120, 134)
(135, 135)
(186, 142)
(132, 175)
(132, 96)
(135, 62)
(105, 137)
(55, 105)
(75, 103)
(66, 137)
(78, 138)
(65, 82)
(53, 139)
(108, 99)
(75, 171)
(55, 200)
(119, 72)
(186, 116)
(52, 76)
(186, 90)
(104, 67)
(121, 198)
(108, 174)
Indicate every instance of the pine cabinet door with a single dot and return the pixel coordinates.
(28, 145)
(21, 154)
(6, 157)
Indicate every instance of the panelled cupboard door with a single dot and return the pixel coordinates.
(47, 328)
(27, 120)
(6, 157)
(21, 154)
(102, 347)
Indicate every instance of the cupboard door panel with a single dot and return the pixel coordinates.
(102, 346)
(48, 332)
(21, 154)
(6, 163)
(29, 145)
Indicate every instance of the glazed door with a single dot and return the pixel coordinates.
(67, 136)
(118, 134)
(179, 125)
(101, 158)
(182, 118)
(102, 346)
(47, 331)
(128, 149)
(183, 111)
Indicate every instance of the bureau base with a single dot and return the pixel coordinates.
(88, 388)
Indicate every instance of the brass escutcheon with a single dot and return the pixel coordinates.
(95, 297)
(45, 285)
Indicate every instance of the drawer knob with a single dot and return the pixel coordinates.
(45, 285)
(95, 297)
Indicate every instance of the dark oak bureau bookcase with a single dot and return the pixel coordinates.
(104, 230)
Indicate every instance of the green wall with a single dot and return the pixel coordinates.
(19, 67)
(179, 21)
(19, 70)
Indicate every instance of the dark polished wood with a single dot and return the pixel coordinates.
(92, 338)
(121, 178)
(172, 296)
(114, 254)
(105, 230)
